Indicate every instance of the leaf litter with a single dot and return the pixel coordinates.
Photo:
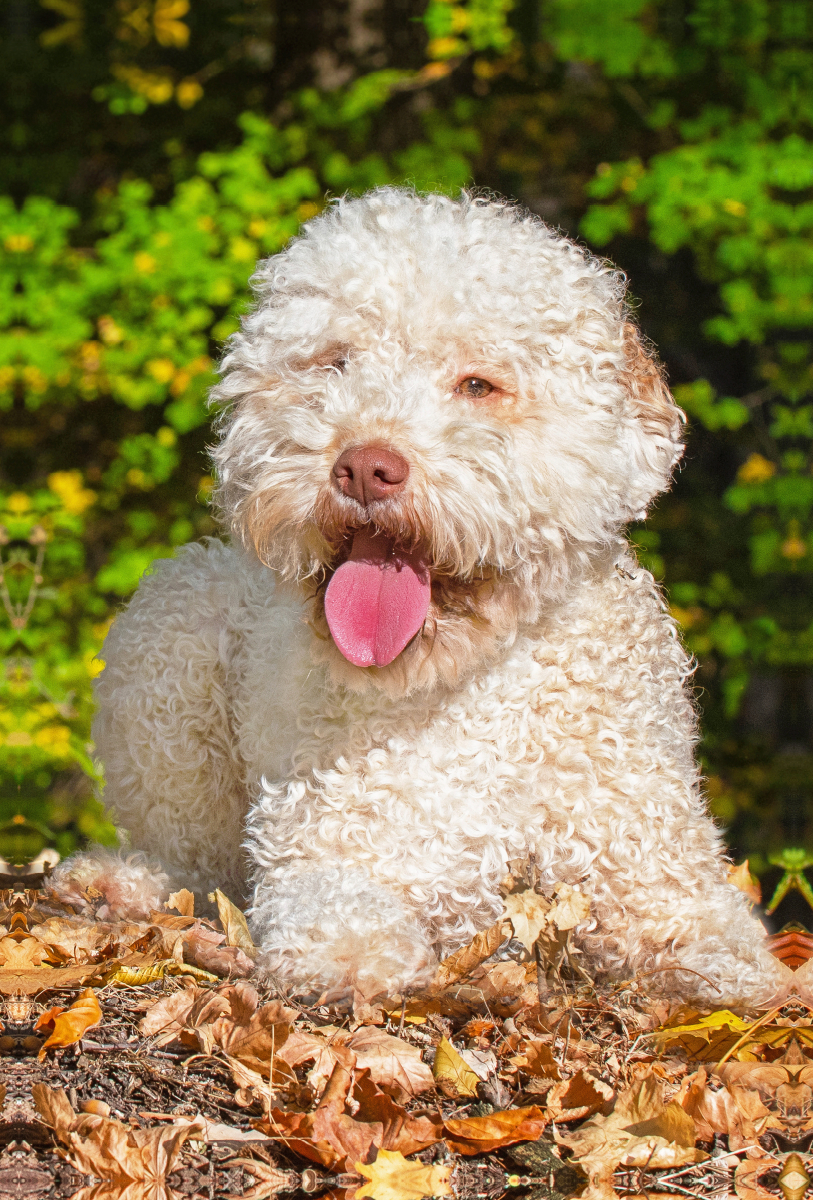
(147, 1060)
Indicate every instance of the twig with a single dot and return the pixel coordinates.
(646, 974)
(763, 1020)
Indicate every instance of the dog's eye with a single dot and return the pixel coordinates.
(474, 388)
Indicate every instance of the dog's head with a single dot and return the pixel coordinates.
(441, 414)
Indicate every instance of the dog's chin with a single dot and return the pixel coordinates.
(468, 626)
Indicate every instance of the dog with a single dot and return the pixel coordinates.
(427, 650)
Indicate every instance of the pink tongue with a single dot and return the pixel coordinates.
(377, 600)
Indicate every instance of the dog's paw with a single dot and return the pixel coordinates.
(334, 933)
(110, 885)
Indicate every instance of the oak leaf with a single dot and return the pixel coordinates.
(393, 1177)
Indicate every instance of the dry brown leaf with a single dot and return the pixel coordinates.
(234, 924)
(536, 1059)
(452, 1074)
(636, 1133)
(481, 1135)
(392, 1177)
(183, 902)
(330, 1136)
(132, 1164)
(528, 914)
(394, 1065)
(570, 907)
(250, 1034)
(463, 961)
(203, 948)
(70, 1025)
(30, 982)
(577, 1097)
(190, 1012)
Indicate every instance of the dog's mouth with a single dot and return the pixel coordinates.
(377, 599)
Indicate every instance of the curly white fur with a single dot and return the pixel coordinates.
(542, 709)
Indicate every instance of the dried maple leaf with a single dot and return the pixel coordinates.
(536, 1059)
(480, 1135)
(250, 1034)
(570, 908)
(330, 1136)
(70, 1025)
(132, 1164)
(640, 1131)
(392, 1177)
(452, 1073)
(394, 1065)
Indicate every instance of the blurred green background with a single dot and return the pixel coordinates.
(153, 149)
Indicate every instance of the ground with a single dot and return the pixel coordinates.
(140, 1060)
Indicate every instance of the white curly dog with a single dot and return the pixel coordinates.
(428, 649)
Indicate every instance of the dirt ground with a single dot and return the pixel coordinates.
(143, 1060)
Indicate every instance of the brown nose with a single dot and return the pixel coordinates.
(367, 473)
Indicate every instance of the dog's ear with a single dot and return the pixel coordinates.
(649, 396)
(657, 421)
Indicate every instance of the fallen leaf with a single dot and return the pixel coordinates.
(394, 1065)
(251, 1035)
(392, 1177)
(271, 1180)
(570, 908)
(30, 982)
(202, 947)
(135, 976)
(577, 1097)
(636, 1133)
(528, 913)
(481, 1135)
(463, 961)
(70, 1025)
(184, 1012)
(452, 1074)
(183, 902)
(536, 1059)
(331, 1136)
(133, 1164)
(234, 924)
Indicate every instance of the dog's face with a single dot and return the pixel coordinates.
(440, 417)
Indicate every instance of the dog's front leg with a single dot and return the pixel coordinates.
(699, 943)
(330, 929)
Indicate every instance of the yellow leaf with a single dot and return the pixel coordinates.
(571, 907)
(136, 976)
(450, 1069)
(706, 1026)
(393, 1177)
(234, 924)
